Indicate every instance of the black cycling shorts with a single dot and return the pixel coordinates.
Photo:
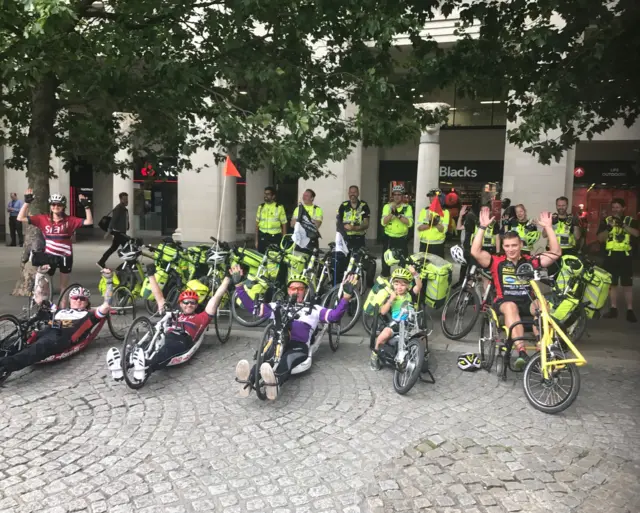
(620, 265)
(65, 264)
(524, 305)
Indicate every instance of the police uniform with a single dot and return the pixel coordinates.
(316, 214)
(564, 230)
(347, 214)
(396, 232)
(489, 237)
(618, 260)
(433, 239)
(522, 228)
(270, 218)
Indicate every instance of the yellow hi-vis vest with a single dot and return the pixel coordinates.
(270, 218)
(618, 239)
(433, 235)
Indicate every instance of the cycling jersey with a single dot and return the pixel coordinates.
(505, 280)
(74, 324)
(57, 234)
(194, 325)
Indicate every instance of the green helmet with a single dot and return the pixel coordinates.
(532, 238)
(298, 278)
(402, 274)
(391, 257)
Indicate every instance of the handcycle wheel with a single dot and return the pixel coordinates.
(64, 295)
(334, 336)
(550, 396)
(462, 301)
(140, 334)
(11, 339)
(354, 310)
(151, 306)
(244, 318)
(266, 345)
(122, 312)
(577, 326)
(489, 342)
(223, 321)
(368, 321)
(403, 381)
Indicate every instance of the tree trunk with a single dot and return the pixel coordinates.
(44, 108)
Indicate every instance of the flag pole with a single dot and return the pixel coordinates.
(224, 186)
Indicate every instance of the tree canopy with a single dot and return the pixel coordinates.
(271, 79)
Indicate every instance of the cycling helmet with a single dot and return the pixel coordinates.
(532, 237)
(216, 257)
(457, 253)
(402, 274)
(434, 192)
(469, 362)
(391, 257)
(57, 198)
(188, 294)
(77, 292)
(300, 278)
(398, 188)
(573, 263)
(506, 203)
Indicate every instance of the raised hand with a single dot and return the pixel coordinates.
(236, 273)
(545, 219)
(485, 216)
(28, 196)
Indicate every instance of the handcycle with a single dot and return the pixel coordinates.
(407, 352)
(16, 333)
(276, 336)
(150, 337)
(548, 367)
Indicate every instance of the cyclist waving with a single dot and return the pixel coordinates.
(512, 293)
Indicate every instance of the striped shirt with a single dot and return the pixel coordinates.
(57, 234)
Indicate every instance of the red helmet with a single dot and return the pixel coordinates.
(188, 294)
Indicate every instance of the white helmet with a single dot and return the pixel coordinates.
(128, 255)
(469, 362)
(457, 253)
(398, 188)
(77, 292)
(57, 198)
(217, 257)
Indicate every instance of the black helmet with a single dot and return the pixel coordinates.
(506, 203)
(434, 192)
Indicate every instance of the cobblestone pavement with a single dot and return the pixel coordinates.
(338, 440)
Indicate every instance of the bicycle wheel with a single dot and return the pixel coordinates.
(244, 317)
(171, 295)
(489, 342)
(140, 334)
(11, 339)
(122, 312)
(64, 296)
(334, 336)
(223, 321)
(551, 395)
(126, 276)
(266, 346)
(403, 380)
(577, 325)
(460, 313)
(354, 310)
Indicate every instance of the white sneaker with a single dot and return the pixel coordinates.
(114, 363)
(243, 371)
(139, 364)
(270, 381)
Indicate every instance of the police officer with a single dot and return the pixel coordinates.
(616, 231)
(354, 215)
(433, 228)
(397, 218)
(271, 221)
(526, 229)
(566, 227)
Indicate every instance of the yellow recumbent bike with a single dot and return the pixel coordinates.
(551, 379)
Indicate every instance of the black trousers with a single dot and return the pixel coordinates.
(266, 239)
(119, 239)
(49, 342)
(294, 354)
(434, 249)
(15, 227)
(174, 344)
(393, 243)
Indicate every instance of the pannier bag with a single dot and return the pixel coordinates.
(161, 278)
(378, 294)
(596, 291)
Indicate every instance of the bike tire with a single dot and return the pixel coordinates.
(334, 336)
(333, 299)
(488, 348)
(11, 342)
(257, 385)
(373, 328)
(461, 298)
(578, 327)
(531, 368)
(254, 321)
(223, 332)
(402, 389)
(122, 298)
(128, 346)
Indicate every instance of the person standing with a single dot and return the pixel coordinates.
(354, 215)
(432, 227)
(315, 213)
(566, 227)
(397, 218)
(271, 221)
(118, 227)
(526, 229)
(13, 208)
(617, 231)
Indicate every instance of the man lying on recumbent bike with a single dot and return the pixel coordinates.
(513, 298)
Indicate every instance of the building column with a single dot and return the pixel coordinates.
(254, 190)
(428, 175)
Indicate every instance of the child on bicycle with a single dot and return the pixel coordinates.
(400, 296)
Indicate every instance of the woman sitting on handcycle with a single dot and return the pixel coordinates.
(188, 328)
(401, 281)
(513, 293)
(66, 327)
(302, 330)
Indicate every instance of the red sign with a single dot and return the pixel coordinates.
(148, 170)
(578, 172)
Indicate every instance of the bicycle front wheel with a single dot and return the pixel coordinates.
(489, 342)
(404, 379)
(460, 313)
(140, 334)
(122, 312)
(264, 350)
(11, 339)
(244, 317)
(354, 309)
(554, 394)
(223, 321)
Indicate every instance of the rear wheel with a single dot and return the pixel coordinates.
(11, 339)
(122, 312)
(244, 317)
(405, 378)
(354, 310)
(460, 313)
(557, 392)
(140, 334)
(223, 321)
(334, 336)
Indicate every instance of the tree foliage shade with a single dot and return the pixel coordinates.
(271, 80)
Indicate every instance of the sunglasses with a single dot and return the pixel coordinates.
(79, 298)
(189, 303)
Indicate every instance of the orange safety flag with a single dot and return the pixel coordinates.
(436, 206)
(230, 168)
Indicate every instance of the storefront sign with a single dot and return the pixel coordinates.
(609, 172)
(449, 170)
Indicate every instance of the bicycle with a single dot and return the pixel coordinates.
(276, 336)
